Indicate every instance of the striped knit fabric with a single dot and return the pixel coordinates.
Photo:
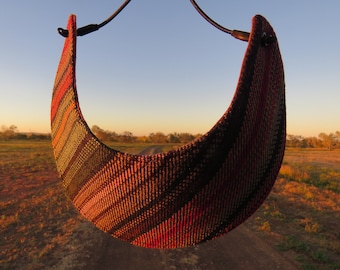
(186, 196)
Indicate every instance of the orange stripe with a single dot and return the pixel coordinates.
(65, 84)
(56, 138)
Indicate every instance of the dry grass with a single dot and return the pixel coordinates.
(301, 216)
(35, 216)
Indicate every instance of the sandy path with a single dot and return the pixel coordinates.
(239, 249)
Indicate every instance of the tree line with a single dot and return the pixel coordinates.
(128, 137)
(12, 133)
(330, 141)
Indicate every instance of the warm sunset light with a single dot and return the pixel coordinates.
(148, 71)
(159, 142)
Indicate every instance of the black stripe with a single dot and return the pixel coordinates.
(276, 159)
(225, 130)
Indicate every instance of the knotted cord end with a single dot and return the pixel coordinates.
(63, 32)
(94, 27)
(241, 35)
(82, 31)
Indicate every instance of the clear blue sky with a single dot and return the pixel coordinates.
(159, 66)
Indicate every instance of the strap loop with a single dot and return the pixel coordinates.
(241, 35)
(94, 27)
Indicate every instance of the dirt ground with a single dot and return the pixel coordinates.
(295, 228)
(90, 248)
(239, 249)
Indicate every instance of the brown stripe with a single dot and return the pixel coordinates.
(138, 198)
(207, 172)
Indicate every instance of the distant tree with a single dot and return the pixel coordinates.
(313, 142)
(127, 137)
(328, 140)
(100, 133)
(295, 141)
(157, 137)
(337, 134)
(186, 137)
(38, 136)
(9, 133)
(143, 139)
(173, 138)
(303, 143)
(337, 137)
(21, 136)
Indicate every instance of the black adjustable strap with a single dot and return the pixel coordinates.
(94, 27)
(241, 35)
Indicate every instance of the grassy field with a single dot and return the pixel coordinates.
(300, 218)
